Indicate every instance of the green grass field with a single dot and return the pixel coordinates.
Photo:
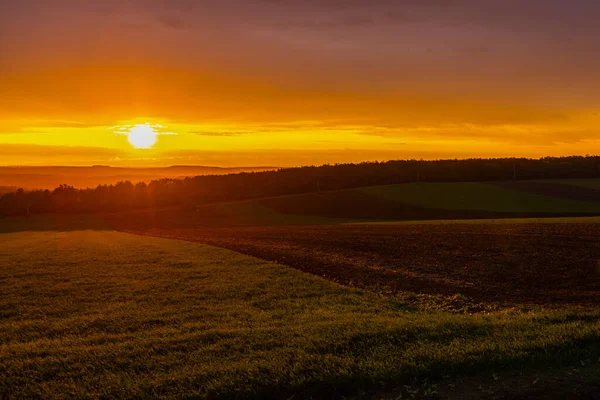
(101, 314)
(492, 221)
(478, 196)
(417, 201)
(406, 202)
(254, 213)
(52, 223)
(586, 183)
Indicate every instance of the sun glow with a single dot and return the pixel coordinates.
(142, 136)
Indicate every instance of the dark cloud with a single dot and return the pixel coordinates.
(511, 14)
(474, 51)
(173, 21)
(317, 22)
(354, 4)
(399, 17)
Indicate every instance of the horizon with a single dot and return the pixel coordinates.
(283, 167)
(82, 177)
(289, 83)
(132, 166)
(135, 167)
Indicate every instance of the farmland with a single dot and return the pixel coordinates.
(507, 197)
(405, 202)
(360, 293)
(510, 263)
(100, 314)
(299, 200)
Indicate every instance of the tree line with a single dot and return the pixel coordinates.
(191, 192)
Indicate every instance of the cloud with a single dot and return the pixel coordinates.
(221, 133)
(34, 151)
(35, 126)
(354, 4)
(173, 22)
(317, 22)
(126, 129)
(474, 51)
(399, 17)
(353, 14)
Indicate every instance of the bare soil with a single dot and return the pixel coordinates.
(553, 264)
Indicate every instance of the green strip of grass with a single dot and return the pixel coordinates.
(253, 213)
(477, 196)
(102, 314)
(557, 220)
(586, 183)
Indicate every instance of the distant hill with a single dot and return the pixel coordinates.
(7, 189)
(422, 201)
(83, 177)
(402, 202)
(407, 188)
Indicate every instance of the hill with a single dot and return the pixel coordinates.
(404, 202)
(83, 177)
(229, 187)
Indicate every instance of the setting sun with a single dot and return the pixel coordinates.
(142, 136)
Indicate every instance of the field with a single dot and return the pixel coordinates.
(500, 197)
(100, 314)
(507, 263)
(323, 295)
(53, 223)
(406, 202)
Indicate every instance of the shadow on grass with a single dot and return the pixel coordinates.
(55, 222)
(526, 363)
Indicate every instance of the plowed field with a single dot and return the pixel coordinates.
(553, 264)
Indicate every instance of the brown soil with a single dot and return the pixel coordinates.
(550, 264)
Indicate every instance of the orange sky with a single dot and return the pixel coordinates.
(285, 82)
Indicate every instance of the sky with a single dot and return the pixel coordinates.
(296, 82)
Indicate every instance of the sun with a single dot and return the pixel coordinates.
(142, 136)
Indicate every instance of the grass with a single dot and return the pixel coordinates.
(235, 214)
(554, 265)
(478, 196)
(586, 183)
(52, 222)
(418, 201)
(492, 221)
(252, 212)
(100, 314)
(405, 202)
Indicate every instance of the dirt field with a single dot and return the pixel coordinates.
(551, 264)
